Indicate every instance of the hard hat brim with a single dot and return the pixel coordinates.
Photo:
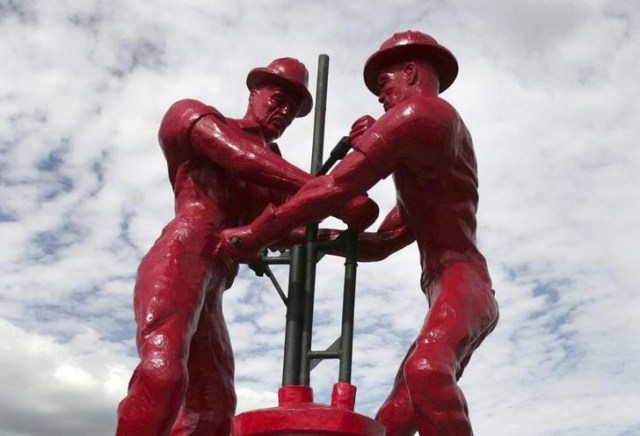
(440, 58)
(263, 76)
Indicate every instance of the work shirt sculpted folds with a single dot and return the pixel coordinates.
(425, 145)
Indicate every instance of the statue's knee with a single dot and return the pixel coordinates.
(385, 414)
(163, 370)
(398, 418)
(421, 371)
(163, 365)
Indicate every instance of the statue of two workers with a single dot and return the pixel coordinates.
(235, 195)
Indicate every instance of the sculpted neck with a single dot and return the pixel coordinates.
(249, 120)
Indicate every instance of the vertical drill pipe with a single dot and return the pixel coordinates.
(348, 306)
(312, 229)
(319, 114)
(295, 313)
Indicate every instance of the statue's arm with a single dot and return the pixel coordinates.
(211, 137)
(215, 140)
(393, 234)
(298, 236)
(190, 129)
(375, 155)
(372, 159)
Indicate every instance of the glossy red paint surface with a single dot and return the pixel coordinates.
(223, 172)
(297, 414)
(422, 142)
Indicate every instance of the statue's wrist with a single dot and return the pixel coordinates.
(267, 228)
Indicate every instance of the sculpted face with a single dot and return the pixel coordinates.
(400, 81)
(273, 108)
(394, 84)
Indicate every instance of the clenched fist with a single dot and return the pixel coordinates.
(359, 213)
(359, 127)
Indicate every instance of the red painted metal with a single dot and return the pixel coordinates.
(223, 172)
(297, 414)
(424, 144)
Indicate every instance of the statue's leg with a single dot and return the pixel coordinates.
(396, 414)
(210, 399)
(462, 313)
(168, 297)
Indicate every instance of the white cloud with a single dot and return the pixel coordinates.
(54, 387)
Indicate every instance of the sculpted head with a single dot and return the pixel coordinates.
(409, 63)
(278, 95)
(272, 108)
(401, 80)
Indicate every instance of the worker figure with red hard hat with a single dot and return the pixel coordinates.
(423, 143)
(223, 172)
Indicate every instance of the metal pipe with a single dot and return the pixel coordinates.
(295, 313)
(348, 306)
(283, 259)
(276, 284)
(339, 151)
(320, 113)
(312, 229)
(325, 354)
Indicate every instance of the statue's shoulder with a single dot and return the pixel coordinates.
(430, 109)
(181, 116)
(190, 110)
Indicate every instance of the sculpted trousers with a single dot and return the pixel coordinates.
(183, 384)
(425, 396)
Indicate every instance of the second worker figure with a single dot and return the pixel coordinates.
(423, 143)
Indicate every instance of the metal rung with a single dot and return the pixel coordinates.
(317, 355)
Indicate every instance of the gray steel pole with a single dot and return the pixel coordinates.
(295, 317)
(312, 229)
(348, 306)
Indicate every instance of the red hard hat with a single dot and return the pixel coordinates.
(289, 73)
(411, 45)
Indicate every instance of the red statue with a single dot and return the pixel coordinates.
(422, 141)
(223, 172)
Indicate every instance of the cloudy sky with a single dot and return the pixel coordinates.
(549, 90)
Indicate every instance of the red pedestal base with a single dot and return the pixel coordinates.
(297, 414)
